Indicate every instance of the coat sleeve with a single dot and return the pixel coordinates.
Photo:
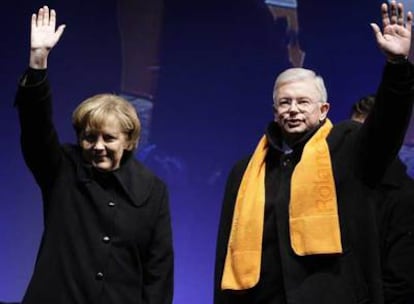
(398, 261)
(382, 133)
(159, 263)
(226, 219)
(39, 141)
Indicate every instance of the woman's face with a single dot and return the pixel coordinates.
(104, 148)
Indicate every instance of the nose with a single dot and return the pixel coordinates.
(293, 107)
(99, 144)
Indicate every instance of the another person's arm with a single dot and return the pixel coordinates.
(383, 131)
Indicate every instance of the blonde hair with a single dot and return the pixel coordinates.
(93, 112)
(298, 74)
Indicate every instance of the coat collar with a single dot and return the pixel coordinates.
(275, 137)
(133, 177)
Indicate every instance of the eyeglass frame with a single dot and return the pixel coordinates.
(303, 104)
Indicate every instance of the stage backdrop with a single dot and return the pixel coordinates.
(201, 76)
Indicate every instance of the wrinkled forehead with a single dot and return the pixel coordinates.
(298, 88)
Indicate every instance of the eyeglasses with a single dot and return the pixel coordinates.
(302, 104)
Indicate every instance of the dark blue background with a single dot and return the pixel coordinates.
(218, 63)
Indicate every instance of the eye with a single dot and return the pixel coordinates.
(304, 102)
(109, 137)
(89, 137)
(284, 102)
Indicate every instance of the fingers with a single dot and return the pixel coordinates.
(409, 23)
(400, 14)
(393, 12)
(46, 18)
(395, 38)
(385, 15)
(52, 21)
(33, 21)
(39, 20)
(45, 15)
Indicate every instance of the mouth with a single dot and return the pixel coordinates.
(99, 158)
(293, 122)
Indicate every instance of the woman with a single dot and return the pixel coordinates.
(107, 232)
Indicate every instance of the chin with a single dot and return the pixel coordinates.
(295, 130)
(102, 167)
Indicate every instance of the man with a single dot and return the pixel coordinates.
(395, 212)
(296, 226)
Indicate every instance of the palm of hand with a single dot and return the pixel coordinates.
(43, 37)
(396, 39)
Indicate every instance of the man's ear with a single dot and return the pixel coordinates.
(324, 111)
(275, 116)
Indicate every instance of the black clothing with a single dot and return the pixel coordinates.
(359, 157)
(395, 211)
(107, 237)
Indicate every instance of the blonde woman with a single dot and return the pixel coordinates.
(107, 233)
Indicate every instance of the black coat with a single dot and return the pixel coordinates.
(107, 237)
(359, 158)
(395, 211)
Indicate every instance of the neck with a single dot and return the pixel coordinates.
(291, 139)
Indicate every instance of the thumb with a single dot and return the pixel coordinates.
(60, 31)
(377, 32)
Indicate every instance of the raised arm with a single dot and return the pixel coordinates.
(382, 133)
(40, 143)
(395, 39)
(43, 37)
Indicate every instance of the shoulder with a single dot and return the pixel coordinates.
(345, 127)
(239, 167)
(235, 176)
(141, 183)
(146, 175)
(342, 131)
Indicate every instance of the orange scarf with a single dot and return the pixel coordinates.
(313, 211)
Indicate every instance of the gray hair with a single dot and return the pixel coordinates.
(297, 74)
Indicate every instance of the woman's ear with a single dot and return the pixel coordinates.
(130, 145)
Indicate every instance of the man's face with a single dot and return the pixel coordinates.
(297, 107)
